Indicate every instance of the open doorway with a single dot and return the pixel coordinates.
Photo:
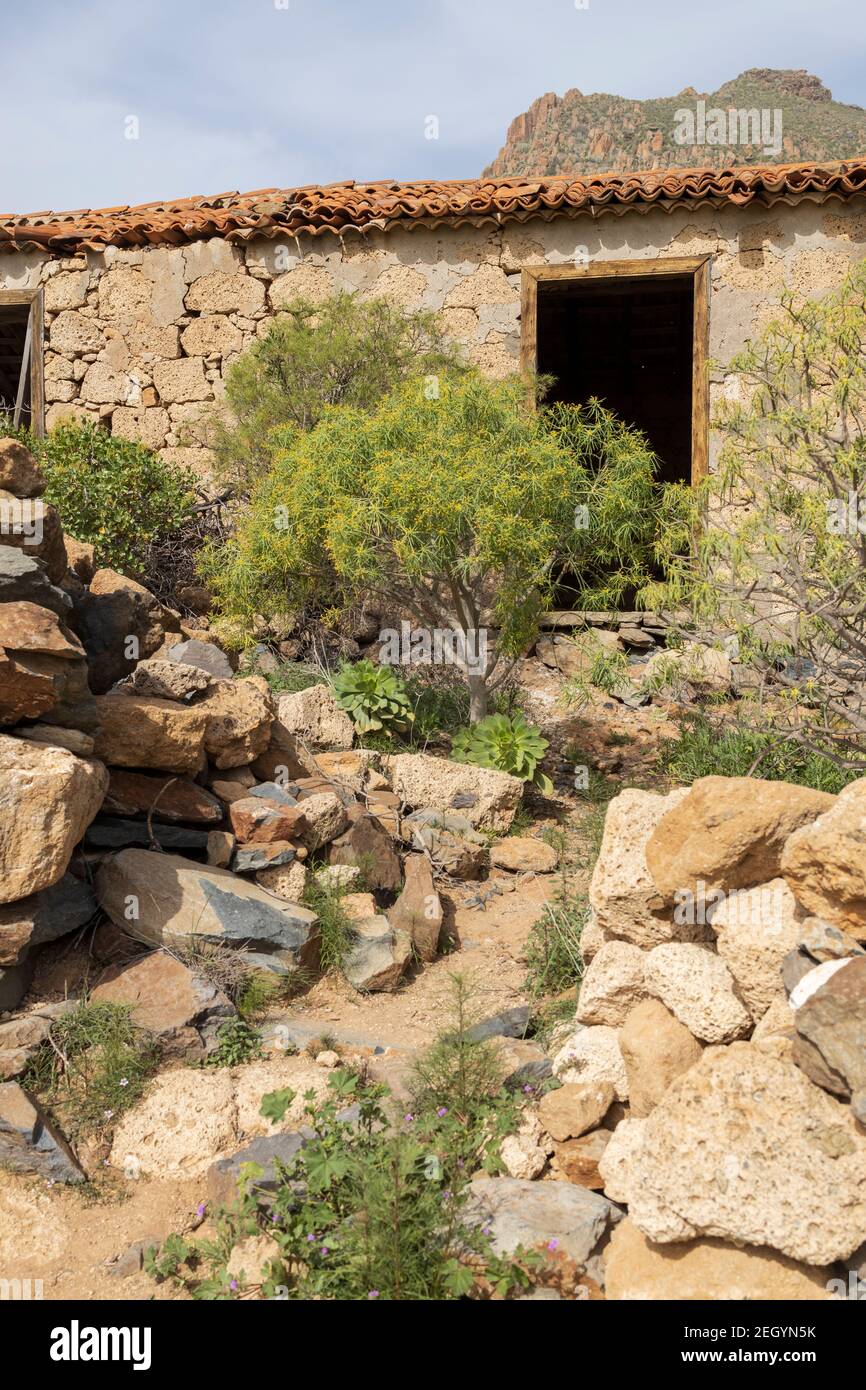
(635, 335)
(21, 395)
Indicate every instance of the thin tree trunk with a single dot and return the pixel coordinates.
(477, 698)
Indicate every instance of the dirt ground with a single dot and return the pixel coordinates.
(67, 1237)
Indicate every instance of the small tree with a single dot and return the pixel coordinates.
(346, 351)
(782, 558)
(455, 505)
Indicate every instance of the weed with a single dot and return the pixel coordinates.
(237, 1042)
(336, 932)
(553, 956)
(707, 747)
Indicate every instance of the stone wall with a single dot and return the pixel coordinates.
(142, 339)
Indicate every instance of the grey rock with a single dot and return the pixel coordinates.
(249, 859)
(109, 833)
(794, 966)
(45, 916)
(29, 1142)
(272, 791)
(532, 1214)
(511, 1023)
(205, 655)
(23, 578)
(266, 1151)
(822, 941)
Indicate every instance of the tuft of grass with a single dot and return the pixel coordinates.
(336, 932)
(94, 1067)
(707, 747)
(293, 676)
(554, 961)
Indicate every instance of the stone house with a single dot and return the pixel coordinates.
(622, 286)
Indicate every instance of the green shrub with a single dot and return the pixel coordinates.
(448, 503)
(112, 493)
(362, 1212)
(507, 744)
(346, 351)
(554, 961)
(336, 932)
(375, 697)
(712, 748)
(237, 1042)
(94, 1068)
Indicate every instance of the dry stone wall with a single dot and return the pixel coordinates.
(142, 339)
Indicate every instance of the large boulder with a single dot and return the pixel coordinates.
(824, 863)
(367, 845)
(139, 733)
(745, 1148)
(728, 832)
(755, 929)
(591, 1057)
(831, 1031)
(48, 797)
(43, 917)
(625, 900)
(656, 1049)
(612, 985)
(488, 799)
(555, 1216)
(696, 985)
(167, 798)
(23, 577)
(42, 668)
(313, 717)
(120, 623)
(167, 998)
(33, 526)
(704, 1271)
(165, 680)
(164, 899)
(30, 1142)
(418, 910)
(239, 718)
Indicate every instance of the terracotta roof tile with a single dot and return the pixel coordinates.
(354, 207)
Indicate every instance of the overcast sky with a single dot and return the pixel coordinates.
(246, 94)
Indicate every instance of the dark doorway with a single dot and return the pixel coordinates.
(628, 341)
(21, 393)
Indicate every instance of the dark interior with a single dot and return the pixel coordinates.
(627, 341)
(13, 332)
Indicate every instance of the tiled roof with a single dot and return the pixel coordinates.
(355, 207)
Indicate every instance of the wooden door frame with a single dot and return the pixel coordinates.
(696, 266)
(34, 299)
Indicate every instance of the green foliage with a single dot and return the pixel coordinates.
(293, 676)
(375, 697)
(781, 561)
(507, 744)
(554, 961)
(336, 932)
(346, 351)
(709, 747)
(237, 1042)
(95, 1066)
(111, 492)
(449, 504)
(362, 1212)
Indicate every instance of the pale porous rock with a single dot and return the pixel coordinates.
(704, 1271)
(625, 900)
(656, 1048)
(618, 1160)
(572, 1110)
(204, 656)
(524, 855)
(745, 1148)
(48, 797)
(486, 798)
(592, 1057)
(824, 863)
(326, 818)
(150, 733)
(239, 715)
(314, 718)
(777, 1022)
(165, 680)
(285, 881)
(592, 938)
(526, 1152)
(612, 985)
(755, 929)
(697, 986)
(728, 832)
(704, 668)
(165, 899)
(255, 1079)
(518, 1212)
